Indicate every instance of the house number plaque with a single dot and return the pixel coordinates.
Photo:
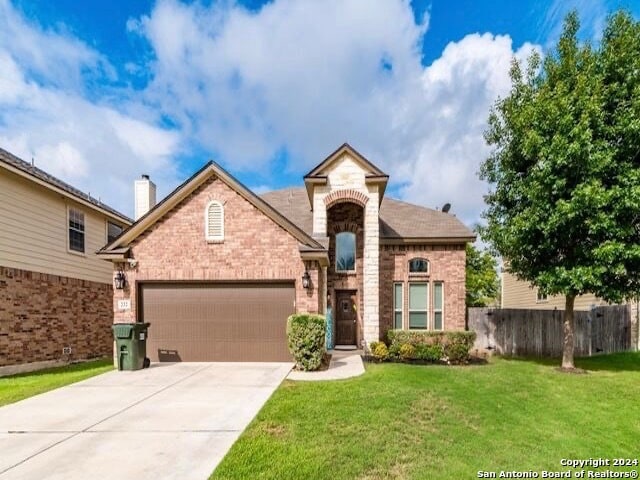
(124, 304)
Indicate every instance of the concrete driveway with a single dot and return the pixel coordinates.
(169, 421)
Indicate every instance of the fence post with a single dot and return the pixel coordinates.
(590, 317)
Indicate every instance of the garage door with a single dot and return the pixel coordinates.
(206, 322)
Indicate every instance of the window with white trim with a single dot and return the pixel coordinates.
(438, 306)
(541, 297)
(418, 306)
(76, 230)
(214, 222)
(397, 305)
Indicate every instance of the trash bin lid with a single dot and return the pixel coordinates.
(122, 330)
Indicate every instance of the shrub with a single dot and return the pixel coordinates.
(432, 346)
(306, 336)
(407, 351)
(430, 353)
(394, 350)
(458, 346)
(379, 350)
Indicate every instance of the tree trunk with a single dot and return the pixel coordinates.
(569, 333)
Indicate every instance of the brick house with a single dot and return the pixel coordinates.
(55, 294)
(216, 269)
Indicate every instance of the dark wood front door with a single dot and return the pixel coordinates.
(345, 318)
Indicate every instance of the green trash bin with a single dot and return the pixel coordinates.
(131, 345)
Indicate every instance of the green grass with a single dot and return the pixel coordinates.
(18, 387)
(434, 422)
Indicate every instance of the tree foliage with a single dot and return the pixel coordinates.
(564, 172)
(482, 284)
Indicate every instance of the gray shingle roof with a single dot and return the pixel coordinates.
(397, 219)
(12, 160)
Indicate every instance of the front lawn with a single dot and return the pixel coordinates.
(23, 385)
(434, 422)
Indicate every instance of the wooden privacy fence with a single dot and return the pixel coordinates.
(522, 332)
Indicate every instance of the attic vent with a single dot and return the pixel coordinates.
(214, 222)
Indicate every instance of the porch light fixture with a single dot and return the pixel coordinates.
(120, 280)
(306, 280)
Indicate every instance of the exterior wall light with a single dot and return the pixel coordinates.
(120, 280)
(306, 280)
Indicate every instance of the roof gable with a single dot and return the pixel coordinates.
(211, 168)
(321, 173)
(323, 167)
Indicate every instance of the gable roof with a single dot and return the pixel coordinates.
(316, 177)
(341, 150)
(400, 222)
(34, 174)
(119, 246)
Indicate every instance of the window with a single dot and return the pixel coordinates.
(345, 252)
(76, 230)
(397, 306)
(113, 231)
(438, 305)
(418, 305)
(419, 265)
(214, 222)
(541, 297)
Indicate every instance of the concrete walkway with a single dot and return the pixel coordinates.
(344, 364)
(171, 421)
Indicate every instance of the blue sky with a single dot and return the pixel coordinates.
(100, 92)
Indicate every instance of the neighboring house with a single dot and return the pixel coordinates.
(55, 294)
(520, 294)
(217, 269)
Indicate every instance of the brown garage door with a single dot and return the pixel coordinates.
(202, 322)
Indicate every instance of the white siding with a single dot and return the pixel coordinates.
(34, 236)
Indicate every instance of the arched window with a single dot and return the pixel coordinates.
(418, 265)
(214, 222)
(345, 252)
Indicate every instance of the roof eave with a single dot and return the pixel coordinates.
(426, 240)
(310, 182)
(60, 191)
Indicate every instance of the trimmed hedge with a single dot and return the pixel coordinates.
(306, 337)
(430, 346)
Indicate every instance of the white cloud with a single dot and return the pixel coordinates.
(307, 76)
(94, 146)
(300, 77)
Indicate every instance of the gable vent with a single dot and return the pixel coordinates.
(214, 222)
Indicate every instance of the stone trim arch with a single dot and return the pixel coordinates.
(346, 195)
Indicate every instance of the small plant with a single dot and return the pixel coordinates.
(407, 351)
(379, 350)
(306, 337)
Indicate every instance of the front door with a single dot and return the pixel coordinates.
(345, 318)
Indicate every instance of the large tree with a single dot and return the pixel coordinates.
(564, 172)
(482, 283)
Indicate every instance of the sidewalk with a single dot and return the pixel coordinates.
(344, 364)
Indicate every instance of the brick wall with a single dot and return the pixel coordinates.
(254, 248)
(41, 313)
(446, 264)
